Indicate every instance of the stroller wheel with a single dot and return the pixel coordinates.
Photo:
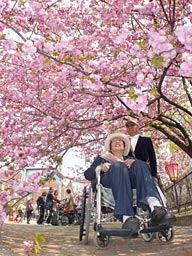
(64, 220)
(101, 241)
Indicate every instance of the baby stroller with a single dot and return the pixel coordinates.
(65, 217)
(100, 206)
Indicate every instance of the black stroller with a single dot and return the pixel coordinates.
(68, 218)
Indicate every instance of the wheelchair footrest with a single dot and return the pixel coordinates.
(114, 231)
(152, 229)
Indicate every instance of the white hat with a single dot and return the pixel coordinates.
(131, 121)
(121, 136)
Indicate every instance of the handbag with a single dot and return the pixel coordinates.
(30, 208)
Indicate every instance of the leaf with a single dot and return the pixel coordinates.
(132, 94)
(157, 25)
(40, 237)
(142, 43)
(58, 159)
(36, 249)
(91, 79)
(42, 182)
(173, 147)
(157, 61)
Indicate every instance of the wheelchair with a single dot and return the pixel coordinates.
(97, 207)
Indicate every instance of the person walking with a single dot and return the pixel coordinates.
(41, 207)
(56, 205)
(29, 210)
(49, 206)
(21, 212)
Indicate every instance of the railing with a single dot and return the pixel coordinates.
(183, 188)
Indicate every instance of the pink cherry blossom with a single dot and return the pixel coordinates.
(186, 65)
(73, 71)
(184, 34)
(28, 48)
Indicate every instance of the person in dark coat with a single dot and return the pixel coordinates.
(141, 147)
(41, 207)
(29, 210)
(49, 206)
(121, 174)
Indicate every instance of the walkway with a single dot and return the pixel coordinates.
(64, 241)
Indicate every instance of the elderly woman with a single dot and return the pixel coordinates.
(121, 174)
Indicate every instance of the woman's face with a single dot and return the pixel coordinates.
(117, 145)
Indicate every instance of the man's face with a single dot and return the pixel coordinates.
(132, 129)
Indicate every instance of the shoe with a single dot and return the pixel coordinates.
(132, 224)
(161, 216)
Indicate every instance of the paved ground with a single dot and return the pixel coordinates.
(64, 241)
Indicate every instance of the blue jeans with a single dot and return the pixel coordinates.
(122, 179)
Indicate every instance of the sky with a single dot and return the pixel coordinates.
(74, 166)
(72, 159)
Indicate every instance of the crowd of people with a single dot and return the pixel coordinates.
(48, 209)
(53, 211)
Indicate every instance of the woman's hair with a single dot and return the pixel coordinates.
(44, 193)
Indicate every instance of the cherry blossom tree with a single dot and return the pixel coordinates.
(72, 71)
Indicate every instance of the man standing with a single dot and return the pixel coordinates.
(41, 207)
(49, 206)
(142, 147)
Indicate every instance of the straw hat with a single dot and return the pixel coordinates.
(121, 136)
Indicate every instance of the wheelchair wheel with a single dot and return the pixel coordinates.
(82, 218)
(165, 236)
(147, 237)
(88, 216)
(101, 241)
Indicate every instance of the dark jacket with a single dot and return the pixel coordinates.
(90, 172)
(144, 151)
(49, 201)
(40, 201)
